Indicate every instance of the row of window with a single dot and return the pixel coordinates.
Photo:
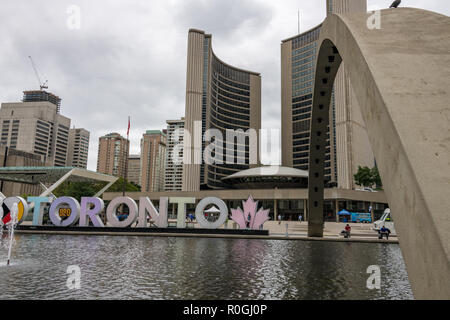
(231, 89)
(301, 74)
(230, 114)
(232, 102)
(224, 118)
(302, 117)
(303, 61)
(302, 92)
(305, 54)
(229, 107)
(303, 67)
(302, 86)
(230, 73)
(303, 79)
(302, 104)
(229, 95)
(301, 111)
(306, 48)
(306, 38)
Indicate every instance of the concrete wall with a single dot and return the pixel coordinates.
(401, 78)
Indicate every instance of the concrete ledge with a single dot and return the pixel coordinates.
(144, 231)
(181, 233)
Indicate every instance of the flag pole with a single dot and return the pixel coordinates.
(126, 158)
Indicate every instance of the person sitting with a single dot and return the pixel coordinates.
(347, 230)
(384, 232)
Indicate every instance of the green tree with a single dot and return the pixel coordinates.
(364, 177)
(78, 190)
(118, 186)
(376, 177)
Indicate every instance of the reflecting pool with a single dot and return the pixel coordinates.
(198, 268)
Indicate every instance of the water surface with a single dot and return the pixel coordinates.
(132, 267)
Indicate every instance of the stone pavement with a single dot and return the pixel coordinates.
(332, 230)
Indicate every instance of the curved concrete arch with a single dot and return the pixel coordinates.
(401, 77)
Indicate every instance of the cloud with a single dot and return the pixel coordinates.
(129, 57)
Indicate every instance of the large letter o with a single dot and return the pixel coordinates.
(112, 208)
(201, 217)
(74, 212)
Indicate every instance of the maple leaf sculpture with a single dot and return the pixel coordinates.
(257, 219)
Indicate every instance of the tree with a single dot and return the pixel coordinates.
(376, 177)
(364, 177)
(118, 186)
(78, 190)
(367, 177)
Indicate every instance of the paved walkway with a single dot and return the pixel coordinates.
(331, 230)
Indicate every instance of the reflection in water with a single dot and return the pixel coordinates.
(199, 268)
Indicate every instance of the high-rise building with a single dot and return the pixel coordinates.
(78, 148)
(153, 155)
(113, 152)
(41, 95)
(174, 156)
(347, 144)
(36, 127)
(220, 97)
(134, 169)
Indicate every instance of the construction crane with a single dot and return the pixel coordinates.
(42, 85)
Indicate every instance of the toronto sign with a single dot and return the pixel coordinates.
(68, 212)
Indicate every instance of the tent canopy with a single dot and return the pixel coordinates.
(213, 209)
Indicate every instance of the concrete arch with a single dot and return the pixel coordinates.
(401, 77)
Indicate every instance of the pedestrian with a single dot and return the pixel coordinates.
(300, 218)
(384, 232)
(348, 229)
(279, 219)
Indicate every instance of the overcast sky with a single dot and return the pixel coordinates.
(129, 56)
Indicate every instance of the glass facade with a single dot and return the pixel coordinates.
(303, 63)
(230, 109)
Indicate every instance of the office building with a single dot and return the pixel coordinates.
(347, 145)
(78, 148)
(36, 127)
(134, 169)
(221, 97)
(41, 95)
(15, 158)
(153, 159)
(113, 150)
(174, 155)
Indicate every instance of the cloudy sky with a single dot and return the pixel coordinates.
(129, 56)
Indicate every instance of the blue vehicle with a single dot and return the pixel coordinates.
(361, 217)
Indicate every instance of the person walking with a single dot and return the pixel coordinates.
(300, 218)
(279, 219)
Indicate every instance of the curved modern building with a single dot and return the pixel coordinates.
(269, 177)
(223, 100)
